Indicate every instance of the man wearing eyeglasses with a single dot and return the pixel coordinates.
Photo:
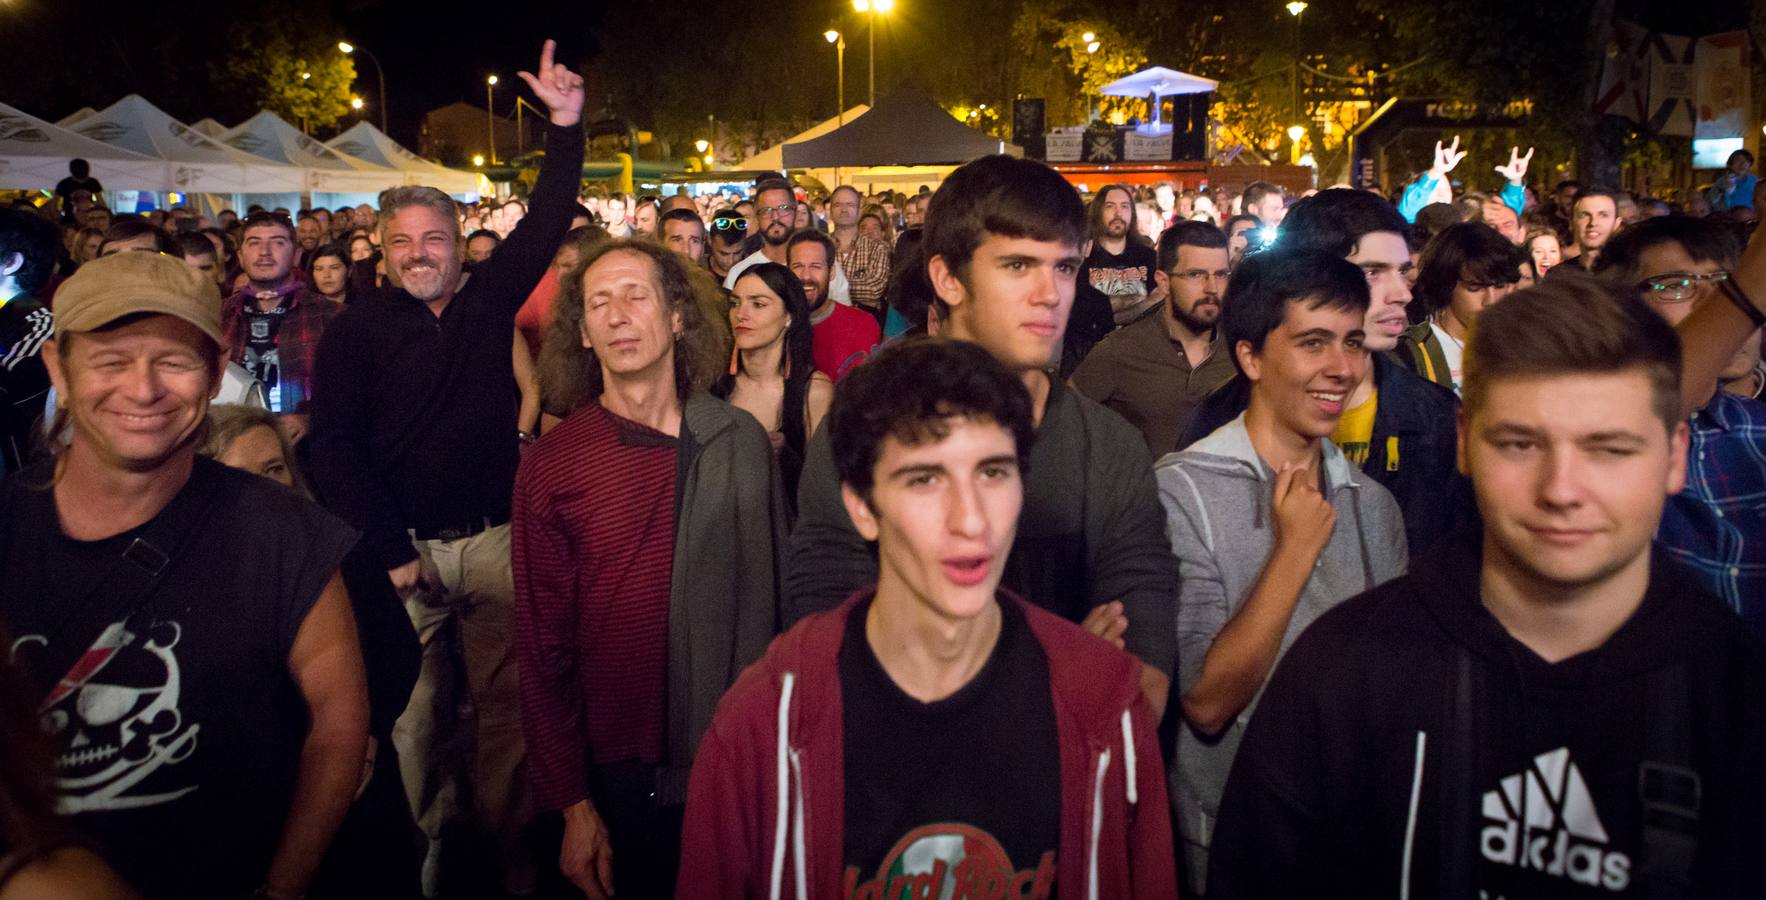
(775, 208)
(1716, 526)
(1155, 370)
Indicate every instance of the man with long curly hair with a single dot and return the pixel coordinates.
(647, 532)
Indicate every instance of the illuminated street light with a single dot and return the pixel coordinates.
(1296, 132)
(1092, 47)
(1088, 37)
(1296, 8)
(831, 35)
(478, 159)
(490, 118)
(839, 42)
(356, 104)
(701, 145)
(347, 48)
(305, 75)
(874, 7)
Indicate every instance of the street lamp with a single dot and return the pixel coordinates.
(478, 160)
(701, 145)
(346, 48)
(873, 7)
(1295, 9)
(1092, 47)
(839, 42)
(1089, 36)
(490, 118)
(356, 104)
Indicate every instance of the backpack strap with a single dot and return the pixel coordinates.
(134, 574)
(1668, 786)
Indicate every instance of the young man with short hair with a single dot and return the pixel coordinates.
(1265, 201)
(1549, 708)
(648, 531)
(1465, 268)
(1121, 265)
(844, 336)
(1270, 522)
(1155, 370)
(1004, 239)
(683, 232)
(185, 625)
(729, 232)
(1716, 526)
(1593, 220)
(274, 323)
(864, 738)
(1396, 426)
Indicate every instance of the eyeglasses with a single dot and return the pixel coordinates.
(1677, 287)
(1193, 276)
(725, 223)
(780, 210)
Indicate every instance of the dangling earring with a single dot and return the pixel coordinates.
(735, 356)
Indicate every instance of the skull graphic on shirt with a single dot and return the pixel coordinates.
(117, 718)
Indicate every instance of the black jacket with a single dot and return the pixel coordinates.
(1413, 453)
(414, 414)
(1407, 735)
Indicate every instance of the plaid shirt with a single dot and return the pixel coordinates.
(1716, 526)
(866, 263)
(297, 336)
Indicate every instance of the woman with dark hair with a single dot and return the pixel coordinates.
(772, 377)
(328, 271)
(1462, 270)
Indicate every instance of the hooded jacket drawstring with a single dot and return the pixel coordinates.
(782, 776)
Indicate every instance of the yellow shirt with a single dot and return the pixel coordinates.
(1354, 433)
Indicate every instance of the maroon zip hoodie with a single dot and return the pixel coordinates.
(766, 814)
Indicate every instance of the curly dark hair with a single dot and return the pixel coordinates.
(909, 390)
(570, 374)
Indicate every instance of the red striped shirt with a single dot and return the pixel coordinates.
(593, 551)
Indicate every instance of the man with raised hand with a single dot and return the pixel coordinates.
(415, 442)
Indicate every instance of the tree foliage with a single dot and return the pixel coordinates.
(297, 74)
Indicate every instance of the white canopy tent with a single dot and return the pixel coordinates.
(35, 155)
(75, 117)
(369, 144)
(198, 163)
(209, 127)
(1157, 82)
(333, 179)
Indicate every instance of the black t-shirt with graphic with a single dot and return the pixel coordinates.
(178, 729)
(956, 796)
(1126, 277)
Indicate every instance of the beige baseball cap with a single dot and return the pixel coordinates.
(133, 282)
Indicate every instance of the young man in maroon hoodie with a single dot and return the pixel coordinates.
(933, 734)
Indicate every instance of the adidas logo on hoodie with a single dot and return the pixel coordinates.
(1543, 819)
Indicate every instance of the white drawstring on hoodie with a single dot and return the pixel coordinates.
(789, 810)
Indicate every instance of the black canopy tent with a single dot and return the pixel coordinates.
(905, 128)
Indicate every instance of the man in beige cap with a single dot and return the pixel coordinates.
(184, 624)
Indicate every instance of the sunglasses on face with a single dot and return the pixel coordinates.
(723, 223)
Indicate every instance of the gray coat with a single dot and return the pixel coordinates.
(723, 605)
(1217, 496)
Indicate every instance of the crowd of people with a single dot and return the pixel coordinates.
(995, 540)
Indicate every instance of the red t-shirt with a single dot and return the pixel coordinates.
(535, 315)
(843, 340)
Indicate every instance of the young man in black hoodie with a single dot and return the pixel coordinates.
(1552, 709)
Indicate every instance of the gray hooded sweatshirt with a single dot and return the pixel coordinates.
(1217, 497)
